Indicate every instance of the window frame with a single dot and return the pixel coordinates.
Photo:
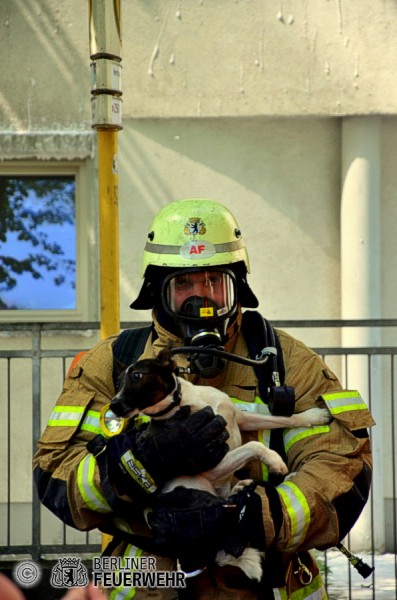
(86, 236)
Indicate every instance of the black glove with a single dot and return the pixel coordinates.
(194, 525)
(144, 458)
(249, 529)
(191, 525)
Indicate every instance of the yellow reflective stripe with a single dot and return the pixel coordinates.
(291, 436)
(314, 591)
(131, 551)
(70, 416)
(66, 416)
(89, 492)
(298, 511)
(91, 422)
(258, 406)
(264, 437)
(280, 594)
(121, 592)
(345, 401)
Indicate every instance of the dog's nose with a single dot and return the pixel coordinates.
(117, 407)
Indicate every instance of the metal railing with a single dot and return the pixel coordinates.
(44, 536)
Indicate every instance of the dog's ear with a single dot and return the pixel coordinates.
(165, 357)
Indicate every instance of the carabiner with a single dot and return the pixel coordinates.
(305, 576)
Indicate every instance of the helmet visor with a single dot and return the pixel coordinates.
(200, 294)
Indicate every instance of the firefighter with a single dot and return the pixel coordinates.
(195, 268)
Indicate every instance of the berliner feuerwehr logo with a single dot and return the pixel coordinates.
(195, 226)
(69, 572)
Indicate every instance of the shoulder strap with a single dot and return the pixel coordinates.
(259, 334)
(127, 348)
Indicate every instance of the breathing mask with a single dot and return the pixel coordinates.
(202, 303)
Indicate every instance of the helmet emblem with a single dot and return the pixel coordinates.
(195, 226)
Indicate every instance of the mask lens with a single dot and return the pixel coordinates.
(200, 294)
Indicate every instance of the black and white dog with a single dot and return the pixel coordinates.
(152, 387)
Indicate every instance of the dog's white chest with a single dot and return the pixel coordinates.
(200, 396)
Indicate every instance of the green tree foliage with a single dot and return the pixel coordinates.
(27, 206)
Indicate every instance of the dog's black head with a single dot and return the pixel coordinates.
(144, 384)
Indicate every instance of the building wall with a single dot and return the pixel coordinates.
(281, 179)
(205, 58)
(240, 102)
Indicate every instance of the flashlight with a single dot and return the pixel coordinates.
(110, 423)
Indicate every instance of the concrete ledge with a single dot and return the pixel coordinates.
(46, 145)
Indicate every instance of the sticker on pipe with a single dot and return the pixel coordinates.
(197, 249)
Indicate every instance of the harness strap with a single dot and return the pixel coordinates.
(258, 334)
(128, 347)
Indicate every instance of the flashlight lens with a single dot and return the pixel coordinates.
(110, 423)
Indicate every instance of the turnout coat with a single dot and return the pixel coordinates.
(314, 507)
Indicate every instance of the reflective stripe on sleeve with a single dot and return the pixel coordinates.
(298, 511)
(91, 422)
(66, 416)
(314, 591)
(71, 416)
(126, 593)
(89, 492)
(291, 436)
(345, 401)
(280, 594)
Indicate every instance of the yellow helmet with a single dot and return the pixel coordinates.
(194, 233)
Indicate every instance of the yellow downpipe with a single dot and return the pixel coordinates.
(109, 240)
(109, 232)
(105, 53)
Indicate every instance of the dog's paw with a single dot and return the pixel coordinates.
(240, 485)
(275, 463)
(313, 416)
(249, 562)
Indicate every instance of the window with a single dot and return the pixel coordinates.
(40, 221)
(38, 242)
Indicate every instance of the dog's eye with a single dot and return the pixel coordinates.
(137, 376)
